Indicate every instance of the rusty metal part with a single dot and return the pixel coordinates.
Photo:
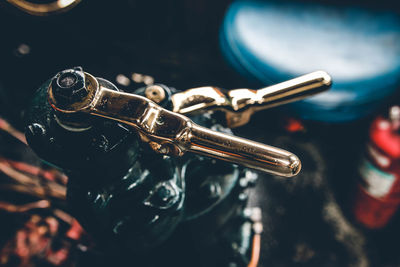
(44, 9)
(174, 134)
(240, 104)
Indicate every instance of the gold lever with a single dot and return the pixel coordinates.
(171, 133)
(240, 104)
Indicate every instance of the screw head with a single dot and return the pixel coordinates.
(67, 80)
(164, 195)
(69, 86)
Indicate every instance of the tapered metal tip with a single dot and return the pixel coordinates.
(294, 165)
(326, 79)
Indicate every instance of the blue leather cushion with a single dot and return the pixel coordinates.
(274, 41)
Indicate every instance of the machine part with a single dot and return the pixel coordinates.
(155, 93)
(44, 9)
(377, 196)
(69, 86)
(240, 104)
(132, 200)
(166, 132)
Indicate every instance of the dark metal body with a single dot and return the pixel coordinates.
(136, 202)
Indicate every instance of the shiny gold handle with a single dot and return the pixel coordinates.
(240, 104)
(173, 134)
(281, 93)
(243, 152)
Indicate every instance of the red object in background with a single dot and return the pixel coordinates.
(378, 193)
(293, 125)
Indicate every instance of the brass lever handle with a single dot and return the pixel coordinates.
(240, 104)
(174, 134)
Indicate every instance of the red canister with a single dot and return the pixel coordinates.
(378, 191)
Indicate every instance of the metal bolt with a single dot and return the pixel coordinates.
(164, 195)
(68, 86)
(155, 93)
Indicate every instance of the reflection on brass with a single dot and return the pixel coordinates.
(174, 134)
(155, 93)
(44, 9)
(240, 104)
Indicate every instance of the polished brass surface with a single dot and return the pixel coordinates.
(44, 9)
(240, 104)
(174, 134)
(155, 93)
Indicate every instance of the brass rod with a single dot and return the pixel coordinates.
(243, 152)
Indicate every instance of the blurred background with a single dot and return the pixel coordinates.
(342, 210)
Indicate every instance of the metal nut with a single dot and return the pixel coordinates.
(155, 93)
(68, 86)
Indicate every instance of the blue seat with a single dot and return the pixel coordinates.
(270, 42)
